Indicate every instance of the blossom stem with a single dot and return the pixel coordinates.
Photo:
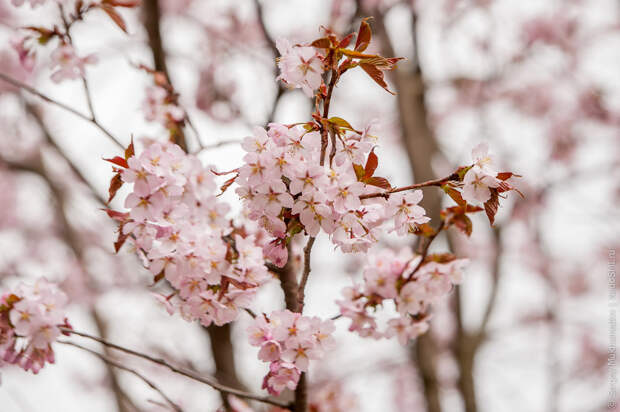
(435, 182)
(425, 249)
(110, 361)
(180, 370)
(326, 103)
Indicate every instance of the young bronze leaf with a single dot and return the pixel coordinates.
(119, 161)
(381, 182)
(115, 184)
(345, 42)
(376, 75)
(130, 150)
(491, 205)
(454, 194)
(116, 18)
(371, 165)
(322, 43)
(364, 35)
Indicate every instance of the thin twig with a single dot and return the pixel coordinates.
(180, 370)
(425, 250)
(118, 365)
(63, 106)
(435, 182)
(218, 144)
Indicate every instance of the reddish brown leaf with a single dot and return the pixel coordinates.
(122, 237)
(463, 223)
(120, 216)
(129, 152)
(115, 183)
(322, 43)
(440, 257)
(345, 42)
(376, 75)
(116, 18)
(371, 165)
(227, 184)
(122, 3)
(454, 194)
(381, 182)
(424, 230)
(359, 55)
(506, 175)
(119, 161)
(364, 35)
(491, 205)
(158, 277)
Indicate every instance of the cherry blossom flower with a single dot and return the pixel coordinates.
(67, 64)
(411, 285)
(289, 341)
(30, 321)
(300, 66)
(477, 184)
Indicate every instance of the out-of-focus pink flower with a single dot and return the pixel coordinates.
(67, 64)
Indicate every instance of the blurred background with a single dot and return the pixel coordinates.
(528, 330)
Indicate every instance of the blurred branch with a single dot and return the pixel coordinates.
(152, 17)
(63, 106)
(110, 361)
(421, 147)
(180, 370)
(261, 21)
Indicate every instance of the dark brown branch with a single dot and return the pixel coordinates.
(152, 17)
(180, 370)
(110, 361)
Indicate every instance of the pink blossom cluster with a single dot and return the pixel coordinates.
(30, 320)
(481, 176)
(300, 67)
(181, 227)
(67, 64)
(410, 285)
(287, 190)
(332, 397)
(289, 341)
(158, 107)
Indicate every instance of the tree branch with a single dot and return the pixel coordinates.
(108, 360)
(306, 273)
(63, 106)
(180, 370)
